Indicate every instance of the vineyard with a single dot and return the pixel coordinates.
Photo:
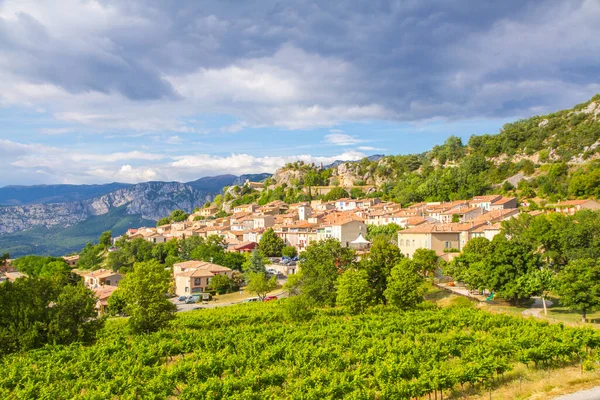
(255, 352)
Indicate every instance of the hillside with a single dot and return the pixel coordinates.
(58, 241)
(551, 157)
(59, 227)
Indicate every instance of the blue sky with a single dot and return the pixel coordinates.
(103, 91)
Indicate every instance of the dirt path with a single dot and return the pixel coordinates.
(537, 308)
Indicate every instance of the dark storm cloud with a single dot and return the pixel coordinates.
(416, 59)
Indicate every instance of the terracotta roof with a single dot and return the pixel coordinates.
(202, 265)
(569, 203)
(100, 273)
(503, 200)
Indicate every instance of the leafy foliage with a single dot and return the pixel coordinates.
(270, 244)
(321, 263)
(383, 353)
(144, 291)
(405, 286)
(353, 290)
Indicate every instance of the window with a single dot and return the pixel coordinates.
(413, 242)
(197, 281)
(107, 282)
(448, 245)
(187, 289)
(401, 242)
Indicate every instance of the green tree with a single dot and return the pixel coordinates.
(289, 251)
(163, 221)
(292, 285)
(578, 285)
(259, 284)
(426, 261)
(116, 260)
(353, 290)
(270, 244)
(321, 263)
(220, 283)
(74, 318)
(89, 258)
(378, 264)
(255, 263)
(179, 216)
(117, 303)
(144, 290)
(405, 286)
(389, 231)
(510, 267)
(336, 193)
(469, 266)
(105, 239)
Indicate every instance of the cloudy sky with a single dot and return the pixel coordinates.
(102, 91)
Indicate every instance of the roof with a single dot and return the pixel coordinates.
(244, 245)
(201, 266)
(569, 203)
(503, 200)
(360, 240)
(100, 273)
(440, 228)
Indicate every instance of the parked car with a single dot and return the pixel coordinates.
(270, 298)
(272, 271)
(192, 299)
(251, 299)
(182, 298)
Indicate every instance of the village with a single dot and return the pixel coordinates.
(444, 227)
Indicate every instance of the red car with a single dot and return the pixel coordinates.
(269, 298)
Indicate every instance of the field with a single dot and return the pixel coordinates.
(258, 351)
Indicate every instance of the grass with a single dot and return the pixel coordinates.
(236, 296)
(534, 384)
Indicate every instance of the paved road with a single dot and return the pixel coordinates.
(181, 307)
(591, 394)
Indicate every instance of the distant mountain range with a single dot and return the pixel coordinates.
(73, 214)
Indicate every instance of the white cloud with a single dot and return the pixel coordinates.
(45, 164)
(370, 148)
(342, 139)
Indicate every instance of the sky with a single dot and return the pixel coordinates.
(139, 90)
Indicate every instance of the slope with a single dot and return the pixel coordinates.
(59, 241)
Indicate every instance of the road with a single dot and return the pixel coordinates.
(181, 306)
(590, 394)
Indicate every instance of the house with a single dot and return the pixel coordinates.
(195, 276)
(244, 247)
(245, 208)
(263, 221)
(71, 260)
(504, 203)
(484, 202)
(102, 294)
(101, 277)
(304, 212)
(208, 211)
(462, 212)
(438, 237)
(572, 206)
(344, 230)
(13, 276)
